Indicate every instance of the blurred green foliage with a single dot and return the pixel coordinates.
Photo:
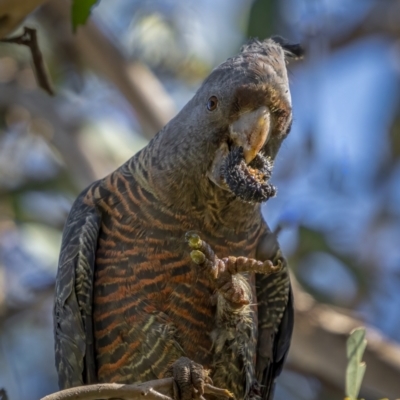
(80, 11)
(355, 371)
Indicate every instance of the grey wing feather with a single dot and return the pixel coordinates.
(73, 329)
(272, 367)
(276, 318)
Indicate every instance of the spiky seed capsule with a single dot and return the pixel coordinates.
(248, 182)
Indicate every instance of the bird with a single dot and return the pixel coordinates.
(167, 267)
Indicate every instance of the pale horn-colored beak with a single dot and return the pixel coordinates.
(251, 131)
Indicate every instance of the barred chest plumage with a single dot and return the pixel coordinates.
(129, 299)
(152, 304)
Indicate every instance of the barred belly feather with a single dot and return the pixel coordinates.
(152, 304)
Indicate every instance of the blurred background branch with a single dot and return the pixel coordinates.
(91, 47)
(382, 19)
(319, 348)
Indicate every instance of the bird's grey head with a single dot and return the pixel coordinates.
(238, 119)
(248, 97)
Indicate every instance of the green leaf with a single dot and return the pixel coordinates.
(355, 371)
(80, 11)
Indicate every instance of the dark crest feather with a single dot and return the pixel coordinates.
(291, 50)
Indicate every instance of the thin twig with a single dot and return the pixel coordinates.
(29, 39)
(159, 389)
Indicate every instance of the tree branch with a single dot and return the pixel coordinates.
(29, 39)
(159, 389)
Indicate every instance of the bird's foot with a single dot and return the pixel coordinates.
(189, 379)
(223, 270)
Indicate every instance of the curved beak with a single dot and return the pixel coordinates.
(251, 131)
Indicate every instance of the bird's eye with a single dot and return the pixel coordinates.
(212, 103)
